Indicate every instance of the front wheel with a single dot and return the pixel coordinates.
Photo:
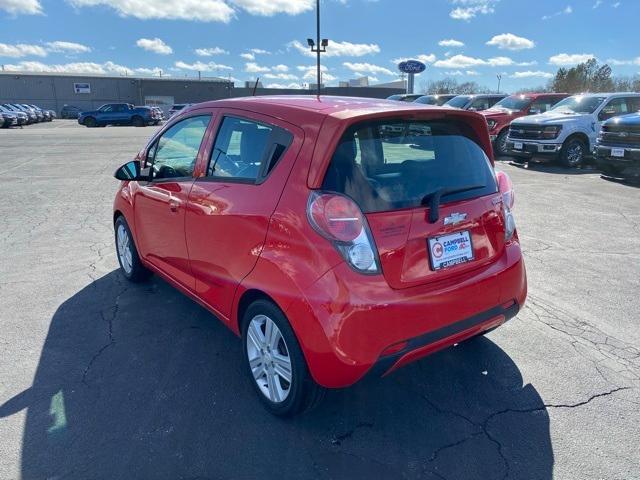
(137, 121)
(128, 257)
(90, 122)
(501, 143)
(275, 363)
(573, 153)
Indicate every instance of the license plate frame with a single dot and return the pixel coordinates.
(617, 152)
(450, 257)
(518, 145)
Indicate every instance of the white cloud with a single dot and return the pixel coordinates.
(310, 73)
(210, 52)
(269, 8)
(422, 58)
(455, 73)
(21, 50)
(597, 4)
(259, 51)
(566, 59)
(464, 61)
(469, 9)
(280, 68)
(248, 56)
(67, 47)
(21, 7)
(451, 43)
(154, 45)
(201, 66)
(253, 67)
(367, 68)
(568, 10)
(339, 49)
(614, 62)
(198, 10)
(282, 85)
(79, 67)
(532, 74)
(509, 41)
(472, 73)
(281, 76)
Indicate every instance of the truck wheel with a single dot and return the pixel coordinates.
(573, 153)
(274, 361)
(501, 143)
(90, 122)
(137, 121)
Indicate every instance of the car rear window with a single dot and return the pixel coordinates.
(394, 164)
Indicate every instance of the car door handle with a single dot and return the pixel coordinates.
(173, 206)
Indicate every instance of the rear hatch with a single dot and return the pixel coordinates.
(429, 193)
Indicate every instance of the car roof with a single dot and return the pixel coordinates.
(282, 106)
(607, 94)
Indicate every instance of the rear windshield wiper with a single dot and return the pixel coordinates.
(433, 198)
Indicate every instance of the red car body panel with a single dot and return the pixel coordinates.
(503, 118)
(225, 247)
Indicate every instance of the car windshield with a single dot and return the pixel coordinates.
(514, 102)
(460, 101)
(391, 165)
(427, 99)
(579, 104)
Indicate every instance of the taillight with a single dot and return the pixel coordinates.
(338, 219)
(505, 186)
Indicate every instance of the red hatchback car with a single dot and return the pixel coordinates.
(339, 237)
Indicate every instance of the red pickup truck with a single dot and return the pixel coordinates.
(508, 109)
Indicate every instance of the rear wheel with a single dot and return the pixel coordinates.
(275, 363)
(90, 122)
(128, 258)
(137, 121)
(573, 152)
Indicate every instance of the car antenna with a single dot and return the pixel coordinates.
(255, 86)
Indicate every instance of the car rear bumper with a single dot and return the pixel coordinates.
(368, 328)
(534, 150)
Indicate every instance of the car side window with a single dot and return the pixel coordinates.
(246, 150)
(106, 108)
(175, 153)
(479, 104)
(542, 104)
(633, 104)
(617, 106)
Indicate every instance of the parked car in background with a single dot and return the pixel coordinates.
(40, 116)
(70, 111)
(618, 146)
(4, 121)
(21, 117)
(438, 100)
(119, 114)
(500, 116)
(49, 114)
(476, 103)
(176, 108)
(31, 115)
(568, 132)
(159, 115)
(330, 260)
(405, 97)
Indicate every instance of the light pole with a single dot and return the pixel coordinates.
(318, 46)
(499, 78)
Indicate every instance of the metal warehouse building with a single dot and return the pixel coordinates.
(53, 91)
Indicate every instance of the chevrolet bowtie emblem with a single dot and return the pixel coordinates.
(454, 218)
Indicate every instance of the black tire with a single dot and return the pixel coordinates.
(501, 143)
(573, 153)
(131, 267)
(90, 122)
(137, 121)
(304, 393)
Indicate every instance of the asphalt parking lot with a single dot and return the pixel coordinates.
(104, 379)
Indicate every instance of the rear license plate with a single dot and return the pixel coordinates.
(517, 146)
(617, 152)
(448, 250)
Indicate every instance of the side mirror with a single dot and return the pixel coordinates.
(131, 171)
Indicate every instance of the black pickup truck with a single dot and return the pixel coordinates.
(618, 146)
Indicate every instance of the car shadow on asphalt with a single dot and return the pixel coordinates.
(547, 167)
(137, 381)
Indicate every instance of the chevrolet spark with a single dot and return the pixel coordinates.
(338, 237)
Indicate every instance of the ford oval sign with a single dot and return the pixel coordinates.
(412, 66)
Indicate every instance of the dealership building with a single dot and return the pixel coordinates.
(88, 92)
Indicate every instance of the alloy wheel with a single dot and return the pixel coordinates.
(124, 249)
(269, 358)
(575, 153)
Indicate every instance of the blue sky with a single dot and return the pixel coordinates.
(523, 40)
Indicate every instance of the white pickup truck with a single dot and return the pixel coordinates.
(568, 131)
